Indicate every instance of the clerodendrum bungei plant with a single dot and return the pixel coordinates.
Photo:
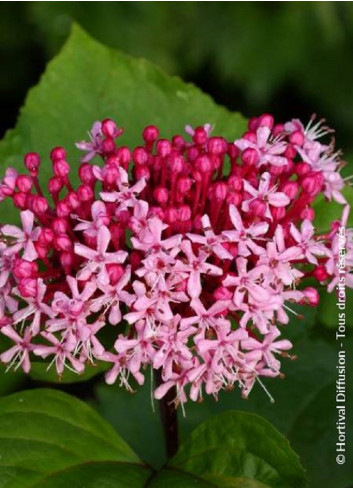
(193, 252)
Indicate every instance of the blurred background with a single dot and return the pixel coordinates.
(289, 58)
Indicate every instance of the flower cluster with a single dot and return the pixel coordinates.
(186, 256)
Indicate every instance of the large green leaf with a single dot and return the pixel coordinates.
(48, 438)
(98, 474)
(237, 449)
(88, 81)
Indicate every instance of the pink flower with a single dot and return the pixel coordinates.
(119, 370)
(23, 238)
(246, 283)
(305, 241)
(63, 352)
(35, 309)
(334, 183)
(150, 238)
(150, 307)
(6, 265)
(94, 146)
(225, 347)
(278, 257)
(18, 354)
(7, 301)
(260, 315)
(267, 348)
(97, 260)
(138, 221)
(211, 242)
(126, 197)
(138, 351)
(196, 266)
(76, 304)
(112, 296)
(268, 150)
(265, 194)
(245, 236)
(204, 318)
(173, 348)
(99, 218)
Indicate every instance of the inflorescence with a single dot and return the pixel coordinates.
(186, 256)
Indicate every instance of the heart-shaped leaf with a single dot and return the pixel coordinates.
(87, 82)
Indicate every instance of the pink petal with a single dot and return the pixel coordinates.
(282, 345)
(236, 218)
(259, 229)
(163, 389)
(194, 284)
(103, 239)
(278, 199)
(11, 333)
(85, 251)
(8, 355)
(290, 254)
(307, 229)
(30, 253)
(262, 135)
(12, 231)
(27, 219)
(115, 315)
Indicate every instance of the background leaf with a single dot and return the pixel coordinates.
(40, 372)
(327, 212)
(50, 438)
(10, 381)
(87, 82)
(135, 417)
(237, 449)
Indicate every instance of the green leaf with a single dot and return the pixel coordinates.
(50, 438)
(40, 372)
(10, 381)
(99, 474)
(168, 477)
(87, 82)
(122, 409)
(328, 310)
(315, 434)
(327, 212)
(238, 449)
